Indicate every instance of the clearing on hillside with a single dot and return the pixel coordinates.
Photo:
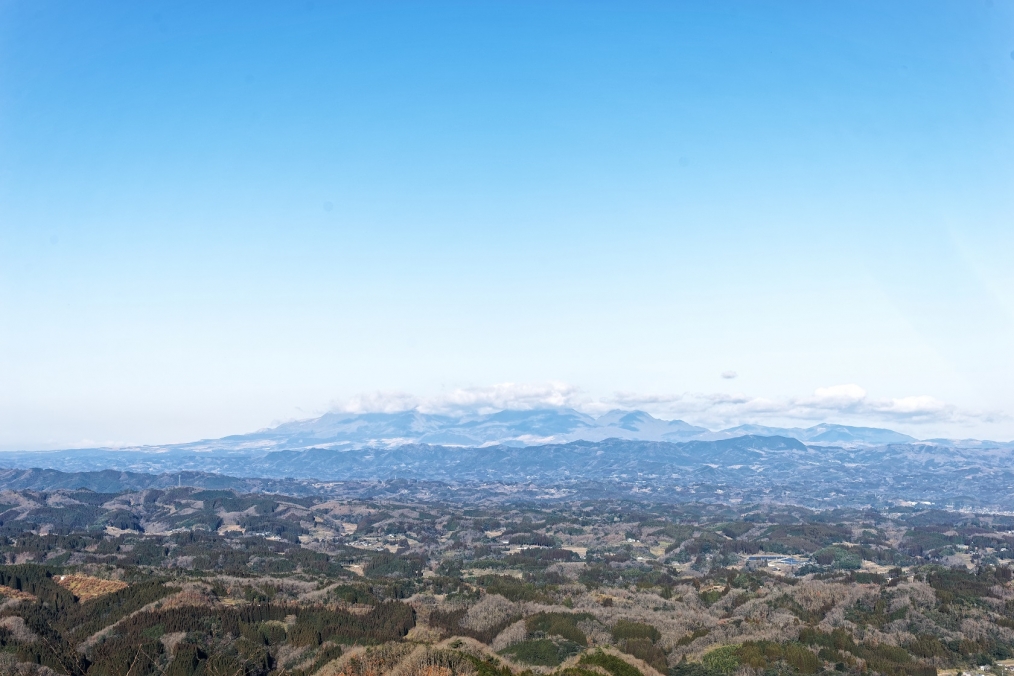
(86, 588)
(11, 593)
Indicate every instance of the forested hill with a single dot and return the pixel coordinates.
(753, 467)
(191, 582)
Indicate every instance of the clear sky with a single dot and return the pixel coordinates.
(215, 216)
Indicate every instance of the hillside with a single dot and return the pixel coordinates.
(748, 468)
(187, 582)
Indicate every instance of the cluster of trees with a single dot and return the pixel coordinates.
(388, 621)
(944, 617)
(640, 640)
(453, 624)
(841, 648)
(239, 639)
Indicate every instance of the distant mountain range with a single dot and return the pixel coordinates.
(745, 469)
(238, 454)
(632, 452)
(527, 428)
(516, 428)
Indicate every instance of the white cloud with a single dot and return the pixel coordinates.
(505, 396)
(729, 375)
(912, 406)
(377, 402)
(837, 396)
(842, 403)
(845, 403)
(500, 397)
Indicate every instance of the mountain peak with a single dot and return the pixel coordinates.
(536, 426)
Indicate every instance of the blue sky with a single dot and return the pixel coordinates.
(217, 217)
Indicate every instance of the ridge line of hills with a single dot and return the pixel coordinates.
(623, 453)
(750, 468)
(521, 428)
(538, 427)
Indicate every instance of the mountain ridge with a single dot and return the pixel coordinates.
(751, 469)
(519, 428)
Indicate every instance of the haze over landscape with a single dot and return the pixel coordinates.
(507, 338)
(214, 219)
